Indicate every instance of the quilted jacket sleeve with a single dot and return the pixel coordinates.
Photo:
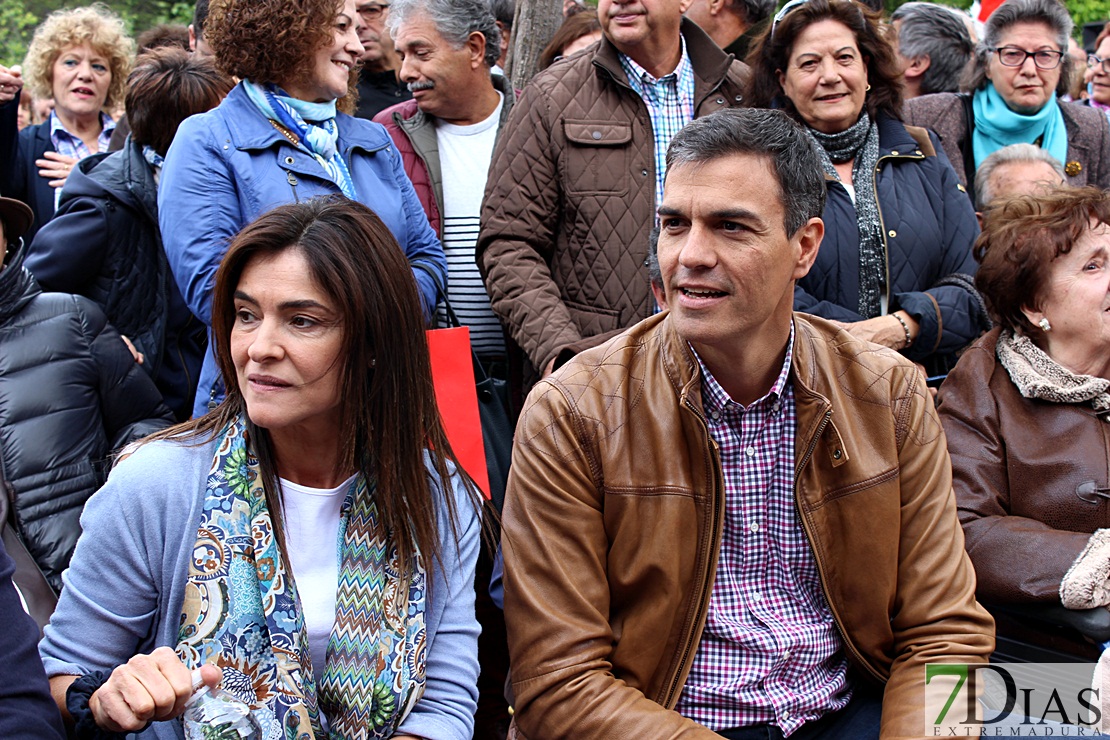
(950, 316)
(556, 590)
(520, 219)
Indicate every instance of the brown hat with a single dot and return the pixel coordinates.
(17, 218)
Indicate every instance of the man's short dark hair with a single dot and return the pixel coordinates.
(762, 133)
(200, 17)
(503, 11)
(163, 35)
(167, 86)
(454, 19)
(937, 32)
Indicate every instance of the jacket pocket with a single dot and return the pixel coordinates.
(597, 157)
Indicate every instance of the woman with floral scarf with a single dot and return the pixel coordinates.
(307, 542)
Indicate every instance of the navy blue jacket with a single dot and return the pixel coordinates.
(929, 227)
(104, 244)
(27, 711)
(19, 177)
(228, 166)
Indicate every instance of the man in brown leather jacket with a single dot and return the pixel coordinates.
(571, 194)
(731, 519)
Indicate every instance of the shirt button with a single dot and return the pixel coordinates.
(716, 415)
(757, 596)
(786, 714)
(754, 527)
(750, 451)
(786, 655)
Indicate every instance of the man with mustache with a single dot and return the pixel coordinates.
(575, 179)
(446, 136)
(379, 85)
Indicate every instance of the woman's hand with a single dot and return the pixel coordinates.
(147, 688)
(11, 83)
(55, 167)
(885, 330)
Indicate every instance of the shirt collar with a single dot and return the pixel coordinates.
(638, 77)
(716, 399)
(107, 126)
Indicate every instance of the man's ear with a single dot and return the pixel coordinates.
(808, 240)
(476, 46)
(918, 66)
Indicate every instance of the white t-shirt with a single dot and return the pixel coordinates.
(311, 518)
(464, 157)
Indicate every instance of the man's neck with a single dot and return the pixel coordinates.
(658, 57)
(747, 369)
(479, 105)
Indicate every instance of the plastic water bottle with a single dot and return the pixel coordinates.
(212, 714)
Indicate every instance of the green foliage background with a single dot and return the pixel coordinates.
(18, 18)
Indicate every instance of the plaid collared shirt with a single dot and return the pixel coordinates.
(770, 652)
(670, 103)
(71, 146)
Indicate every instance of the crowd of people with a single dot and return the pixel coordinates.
(805, 316)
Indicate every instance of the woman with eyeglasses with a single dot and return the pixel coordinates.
(1027, 409)
(1019, 68)
(895, 264)
(1097, 76)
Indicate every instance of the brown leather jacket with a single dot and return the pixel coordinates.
(613, 522)
(570, 198)
(1016, 466)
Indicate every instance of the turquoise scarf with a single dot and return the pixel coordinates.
(997, 126)
(241, 612)
(314, 125)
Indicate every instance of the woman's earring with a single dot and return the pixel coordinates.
(867, 89)
(1043, 323)
(373, 362)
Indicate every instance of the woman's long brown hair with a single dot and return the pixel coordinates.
(389, 420)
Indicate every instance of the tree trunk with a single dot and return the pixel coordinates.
(534, 24)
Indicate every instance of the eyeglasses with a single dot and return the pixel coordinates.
(1093, 61)
(372, 11)
(1011, 56)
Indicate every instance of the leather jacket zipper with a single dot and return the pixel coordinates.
(703, 599)
(852, 649)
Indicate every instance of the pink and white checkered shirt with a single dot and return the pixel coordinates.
(770, 652)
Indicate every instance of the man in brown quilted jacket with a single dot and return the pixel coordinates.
(735, 520)
(572, 190)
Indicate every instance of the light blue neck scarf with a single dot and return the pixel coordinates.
(314, 125)
(997, 126)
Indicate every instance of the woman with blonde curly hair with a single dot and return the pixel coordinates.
(281, 137)
(81, 58)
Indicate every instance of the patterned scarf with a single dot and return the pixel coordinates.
(312, 123)
(861, 143)
(997, 126)
(1037, 375)
(241, 612)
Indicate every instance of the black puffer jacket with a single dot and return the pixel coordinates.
(70, 394)
(104, 244)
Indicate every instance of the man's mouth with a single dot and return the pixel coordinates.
(702, 293)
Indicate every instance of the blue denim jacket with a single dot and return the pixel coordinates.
(228, 166)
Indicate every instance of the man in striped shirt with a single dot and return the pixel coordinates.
(446, 136)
